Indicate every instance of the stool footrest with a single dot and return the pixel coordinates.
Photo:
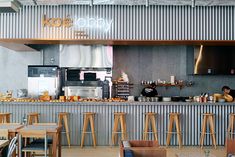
(150, 132)
(208, 133)
(87, 132)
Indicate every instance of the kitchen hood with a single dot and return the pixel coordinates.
(86, 56)
(8, 6)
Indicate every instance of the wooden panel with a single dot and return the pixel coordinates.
(16, 46)
(21, 43)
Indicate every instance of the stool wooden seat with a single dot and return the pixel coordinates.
(33, 117)
(174, 117)
(5, 117)
(88, 117)
(231, 125)
(63, 116)
(208, 117)
(150, 117)
(119, 116)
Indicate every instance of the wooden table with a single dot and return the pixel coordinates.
(52, 130)
(12, 130)
(190, 154)
(11, 127)
(3, 143)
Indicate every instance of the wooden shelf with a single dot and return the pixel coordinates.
(167, 85)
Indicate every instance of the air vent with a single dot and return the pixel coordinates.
(8, 6)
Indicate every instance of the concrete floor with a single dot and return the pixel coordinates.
(114, 152)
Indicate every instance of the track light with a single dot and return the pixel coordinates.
(193, 3)
(147, 3)
(91, 3)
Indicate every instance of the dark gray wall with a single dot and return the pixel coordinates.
(51, 55)
(160, 62)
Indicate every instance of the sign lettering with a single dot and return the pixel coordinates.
(56, 22)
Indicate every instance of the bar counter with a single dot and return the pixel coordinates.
(191, 118)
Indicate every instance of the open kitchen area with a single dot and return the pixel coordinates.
(147, 79)
(84, 89)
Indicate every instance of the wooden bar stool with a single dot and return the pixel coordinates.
(174, 117)
(33, 117)
(119, 116)
(88, 117)
(63, 116)
(5, 117)
(150, 117)
(231, 125)
(208, 117)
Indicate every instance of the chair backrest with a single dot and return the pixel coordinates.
(33, 134)
(3, 133)
(44, 124)
(11, 124)
(230, 146)
(12, 147)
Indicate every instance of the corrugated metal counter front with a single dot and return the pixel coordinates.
(191, 118)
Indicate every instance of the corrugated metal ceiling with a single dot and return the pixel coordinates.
(129, 2)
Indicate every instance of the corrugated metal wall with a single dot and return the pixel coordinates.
(127, 22)
(191, 118)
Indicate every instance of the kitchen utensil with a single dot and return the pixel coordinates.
(188, 100)
(166, 99)
(153, 99)
(175, 98)
(221, 100)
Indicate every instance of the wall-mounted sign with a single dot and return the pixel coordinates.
(78, 23)
(80, 34)
(93, 23)
(57, 22)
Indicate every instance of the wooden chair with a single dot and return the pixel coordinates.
(144, 149)
(5, 117)
(230, 146)
(12, 146)
(43, 124)
(4, 134)
(33, 117)
(31, 148)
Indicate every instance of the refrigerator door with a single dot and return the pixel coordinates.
(38, 85)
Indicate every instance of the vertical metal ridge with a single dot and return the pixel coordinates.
(128, 22)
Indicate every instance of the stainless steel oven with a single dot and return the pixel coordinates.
(83, 91)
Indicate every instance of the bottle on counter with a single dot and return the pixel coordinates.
(24, 120)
